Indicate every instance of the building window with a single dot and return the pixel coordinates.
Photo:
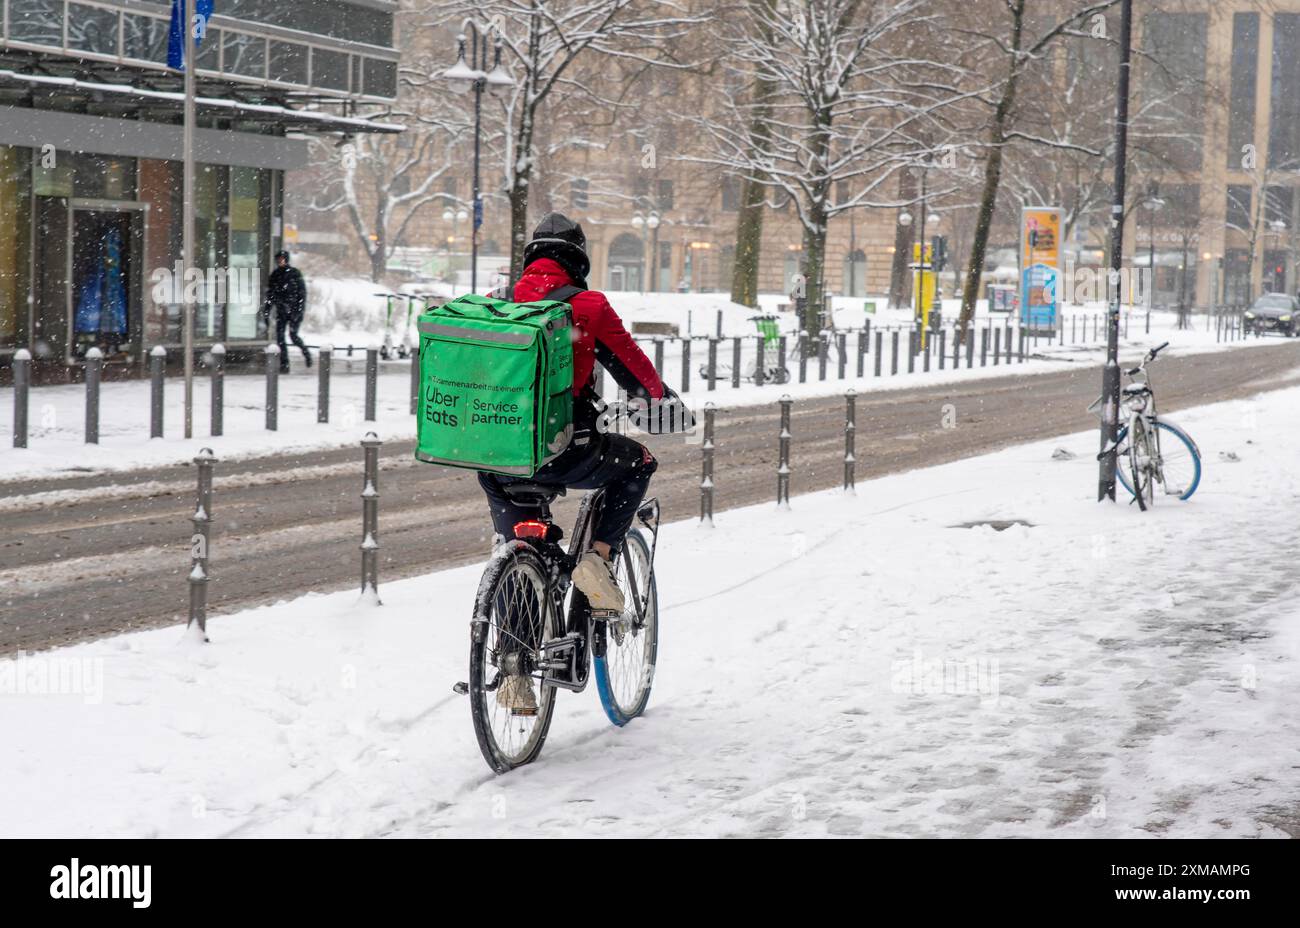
(380, 77)
(37, 22)
(664, 200)
(731, 193)
(144, 38)
(243, 54)
(1284, 114)
(1241, 100)
(329, 69)
(249, 201)
(1238, 215)
(288, 63)
(15, 244)
(578, 193)
(1174, 80)
(1277, 205)
(92, 29)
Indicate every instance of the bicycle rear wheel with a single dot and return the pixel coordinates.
(625, 672)
(1180, 463)
(513, 615)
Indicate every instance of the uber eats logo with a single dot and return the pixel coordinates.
(441, 408)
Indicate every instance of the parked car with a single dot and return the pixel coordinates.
(1274, 312)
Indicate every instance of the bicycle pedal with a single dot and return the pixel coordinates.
(461, 688)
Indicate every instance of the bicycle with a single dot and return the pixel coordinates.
(1175, 465)
(521, 626)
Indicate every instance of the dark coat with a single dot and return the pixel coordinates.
(287, 291)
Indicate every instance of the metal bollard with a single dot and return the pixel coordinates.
(713, 361)
(272, 354)
(686, 365)
(803, 357)
(862, 353)
(925, 365)
(758, 360)
(718, 329)
(842, 342)
(199, 542)
(823, 347)
(370, 517)
(415, 379)
(893, 353)
(850, 429)
(94, 370)
(706, 472)
(217, 409)
(970, 348)
(157, 366)
(984, 347)
(943, 347)
(866, 328)
(735, 361)
(780, 354)
(913, 343)
(783, 454)
(659, 357)
(997, 346)
(324, 361)
(879, 351)
(372, 381)
(22, 390)
(1074, 330)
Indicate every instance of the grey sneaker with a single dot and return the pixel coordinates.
(594, 576)
(516, 694)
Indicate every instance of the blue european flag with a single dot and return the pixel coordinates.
(175, 44)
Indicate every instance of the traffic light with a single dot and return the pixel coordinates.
(940, 250)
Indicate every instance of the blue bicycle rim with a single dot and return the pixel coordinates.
(1196, 458)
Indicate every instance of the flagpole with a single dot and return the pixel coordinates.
(187, 210)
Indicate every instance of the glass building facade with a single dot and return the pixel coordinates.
(91, 178)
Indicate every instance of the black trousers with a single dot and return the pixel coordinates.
(617, 463)
(286, 324)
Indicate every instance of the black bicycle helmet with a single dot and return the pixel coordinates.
(562, 240)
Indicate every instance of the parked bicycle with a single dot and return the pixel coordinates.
(1150, 450)
(530, 620)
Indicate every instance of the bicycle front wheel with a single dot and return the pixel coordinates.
(513, 615)
(626, 670)
(1139, 462)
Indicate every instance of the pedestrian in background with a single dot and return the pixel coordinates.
(286, 294)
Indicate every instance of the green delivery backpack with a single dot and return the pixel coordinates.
(496, 383)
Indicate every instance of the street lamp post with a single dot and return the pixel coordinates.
(464, 76)
(1110, 379)
(646, 223)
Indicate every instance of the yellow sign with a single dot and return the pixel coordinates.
(1040, 241)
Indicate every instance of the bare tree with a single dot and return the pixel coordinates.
(851, 104)
(541, 42)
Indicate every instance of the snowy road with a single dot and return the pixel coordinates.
(858, 665)
(93, 555)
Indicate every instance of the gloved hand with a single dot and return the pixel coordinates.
(668, 415)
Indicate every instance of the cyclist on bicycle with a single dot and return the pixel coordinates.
(555, 258)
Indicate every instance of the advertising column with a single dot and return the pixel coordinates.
(1040, 263)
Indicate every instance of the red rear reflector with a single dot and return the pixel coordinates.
(531, 529)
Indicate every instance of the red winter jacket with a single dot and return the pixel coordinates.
(600, 333)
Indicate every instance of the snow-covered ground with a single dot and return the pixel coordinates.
(858, 665)
(57, 414)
